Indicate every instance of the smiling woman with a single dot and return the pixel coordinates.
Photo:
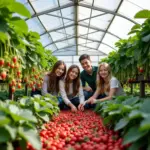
(51, 80)
(107, 84)
(71, 89)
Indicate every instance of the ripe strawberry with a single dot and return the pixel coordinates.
(1, 62)
(14, 59)
(141, 70)
(38, 85)
(8, 64)
(18, 73)
(31, 84)
(13, 82)
(33, 88)
(3, 75)
(36, 76)
(13, 89)
(63, 134)
(12, 65)
(19, 85)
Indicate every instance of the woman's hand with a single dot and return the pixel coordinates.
(73, 108)
(93, 101)
(81, 106)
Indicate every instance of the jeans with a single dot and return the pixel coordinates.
(87, 95)
(61, 103)
(63, 106)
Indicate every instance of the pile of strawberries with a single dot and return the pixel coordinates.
(79, 131)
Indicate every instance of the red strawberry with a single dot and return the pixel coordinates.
(19, 85)
(14, 59)
(13, 82)
(13, 89)
(3, 75)
(33, 89)
(141, 70)
(1, 62)
(18, 73)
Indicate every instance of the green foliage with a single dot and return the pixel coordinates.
(133, 52)
(142, 14)
(15, 39)
(131, 116)
(133, 134)
(20, 9)
(20, 120)
(42, 107)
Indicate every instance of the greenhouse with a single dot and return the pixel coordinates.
(74, 74)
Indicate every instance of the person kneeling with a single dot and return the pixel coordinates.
(107, 84)
(71, 89)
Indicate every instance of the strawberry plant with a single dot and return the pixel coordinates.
(130, 116)
(132, 55)
(3, 75)
(13, 129)
(1, 62)
(42, 107)
(19, 120)
(20, 50)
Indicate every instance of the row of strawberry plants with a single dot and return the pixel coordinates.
(20, 49)
(131, 59)
(21, 120)
(131, 116)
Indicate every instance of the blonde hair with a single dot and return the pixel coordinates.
(104, 85)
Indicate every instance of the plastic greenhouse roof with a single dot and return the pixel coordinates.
(74, 27)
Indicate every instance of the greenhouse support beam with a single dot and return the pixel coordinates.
(59, 28)
(98, 42)
(93, 40)
(71, 35)
(76, 26)
(40, 20)
(89, 23)
(110, 23)
(62, 17)
(52, 10)
(82, 46)
(98, 29)
(83, 25)
(92, 17)
(62, 20)
(107, 11)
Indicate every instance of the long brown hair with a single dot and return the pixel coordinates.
(104, 86)
(53, 85)
(76, 81)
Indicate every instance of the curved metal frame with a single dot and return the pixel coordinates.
(76, 3)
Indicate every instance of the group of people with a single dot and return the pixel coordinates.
(77, 91)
